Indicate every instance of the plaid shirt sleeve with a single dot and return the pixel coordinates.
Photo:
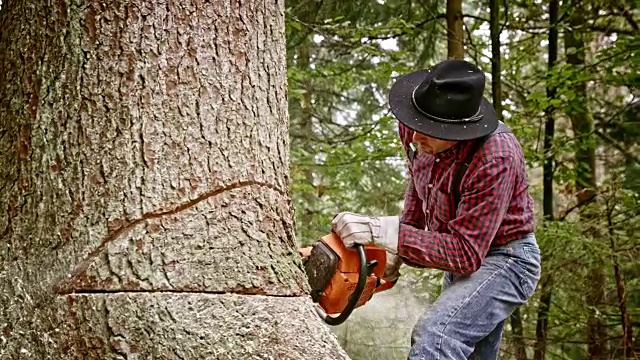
(485, 198)
(412, 213)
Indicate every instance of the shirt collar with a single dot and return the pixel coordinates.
(452, 152)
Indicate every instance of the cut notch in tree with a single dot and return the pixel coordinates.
(147, 149)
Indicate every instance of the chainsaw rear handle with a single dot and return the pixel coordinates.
(355, 296)
(385, 285)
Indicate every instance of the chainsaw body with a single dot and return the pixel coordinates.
(336, 274)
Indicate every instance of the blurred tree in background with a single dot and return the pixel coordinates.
(568, 87)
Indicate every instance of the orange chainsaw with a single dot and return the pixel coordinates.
(343, 279)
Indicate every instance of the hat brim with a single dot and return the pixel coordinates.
(401, 103)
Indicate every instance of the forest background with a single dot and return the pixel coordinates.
(567, 86)
(145, 209)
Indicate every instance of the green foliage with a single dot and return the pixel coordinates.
(346, 156)
(345, 152)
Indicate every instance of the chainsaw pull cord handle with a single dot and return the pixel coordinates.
(355, 296)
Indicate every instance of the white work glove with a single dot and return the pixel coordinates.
(359, 229)
(392, 267)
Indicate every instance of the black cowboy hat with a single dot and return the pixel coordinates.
(444, 102)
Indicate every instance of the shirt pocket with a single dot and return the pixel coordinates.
(443, 205)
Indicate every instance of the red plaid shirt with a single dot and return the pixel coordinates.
(495, 206)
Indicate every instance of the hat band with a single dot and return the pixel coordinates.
(476, 117)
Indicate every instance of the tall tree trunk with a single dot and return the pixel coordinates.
(542, 322)
(455, 33)
(582, 124)
(625, 317)
(496, 95)
(496, 84)
(549, 129)
(145, 168)
(301, 119)
(520, 348)
(611, 163)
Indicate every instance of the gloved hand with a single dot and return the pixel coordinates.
(359, 229)
(305, 252)
(392, 267)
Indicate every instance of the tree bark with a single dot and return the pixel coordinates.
(542, 322)
(496, 57)
(549, 129)
(520, 352)
(144, 168)
(520, 348)
(455, 34)
(625, 317)
(583, 128)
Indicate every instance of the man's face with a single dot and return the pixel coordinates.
(431, 145)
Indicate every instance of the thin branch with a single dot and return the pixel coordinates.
(631, 103)
(402, 33)
(354, 161)
(320, 29)
(337, 141)
(471, 44)
(629, 16)
(539, 30)
(343, 71)
(610, 30)
(577, 206)
(625, 221)
(506, 16)
(619, 147)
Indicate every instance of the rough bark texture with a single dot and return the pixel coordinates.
(145, 210)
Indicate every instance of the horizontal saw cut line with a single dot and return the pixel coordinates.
(65, 286)
(250, 292)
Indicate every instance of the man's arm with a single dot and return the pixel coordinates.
(483, 204)
(412, 213)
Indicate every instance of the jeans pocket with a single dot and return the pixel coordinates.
(530, 269)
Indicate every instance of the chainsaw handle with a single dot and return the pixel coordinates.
(355, 296)
(385, 285)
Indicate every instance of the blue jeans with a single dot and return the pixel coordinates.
(466, 321)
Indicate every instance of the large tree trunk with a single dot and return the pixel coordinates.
(144, 175)
(583, 128)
